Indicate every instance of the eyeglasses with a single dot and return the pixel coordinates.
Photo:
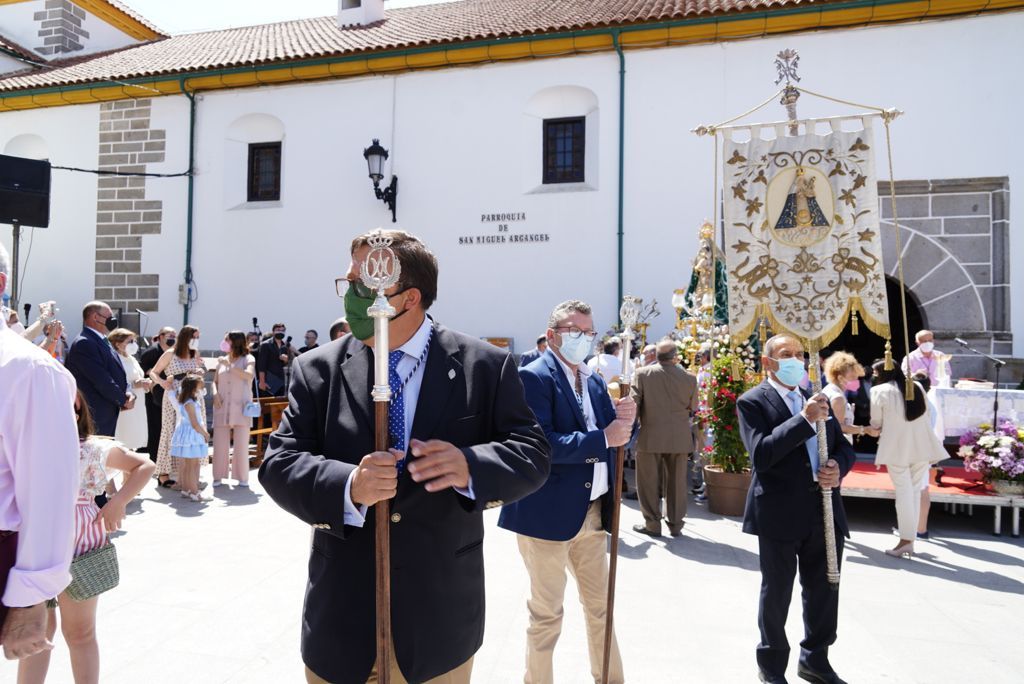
(341, 286)
(575, 333)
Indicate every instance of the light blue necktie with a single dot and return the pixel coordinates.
(795, 404)
(396, 412)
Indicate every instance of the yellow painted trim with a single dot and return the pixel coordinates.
(539, 47)
(119, 19)
(12, 2)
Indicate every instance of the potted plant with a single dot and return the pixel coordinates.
(998, 455)
(727, 463)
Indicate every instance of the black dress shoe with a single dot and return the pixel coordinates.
(643, 530)
(770, 679)
(806, 673)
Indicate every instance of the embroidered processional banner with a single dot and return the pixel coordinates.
(801, 234)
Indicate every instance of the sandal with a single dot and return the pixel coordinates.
(168, 483)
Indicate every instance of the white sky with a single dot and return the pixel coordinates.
(185, 16)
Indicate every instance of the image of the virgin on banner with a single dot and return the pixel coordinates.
(802, 238)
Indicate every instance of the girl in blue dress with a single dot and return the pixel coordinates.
(190, 439)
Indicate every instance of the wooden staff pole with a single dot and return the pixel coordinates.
(628, 313)
(827, 512)
(378, 272)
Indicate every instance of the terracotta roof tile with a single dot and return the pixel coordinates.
(451, 22)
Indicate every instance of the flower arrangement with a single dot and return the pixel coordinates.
(732, 373)
(997, 455)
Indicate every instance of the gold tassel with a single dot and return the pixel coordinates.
(888, 355)
(853, 323)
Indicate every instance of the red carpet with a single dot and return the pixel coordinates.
(864, 476)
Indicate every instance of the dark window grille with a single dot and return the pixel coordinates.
(564, 144)
(264, 172)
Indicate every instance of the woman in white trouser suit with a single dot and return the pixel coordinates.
(906, 447)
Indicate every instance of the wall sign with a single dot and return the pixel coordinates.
(504, 228)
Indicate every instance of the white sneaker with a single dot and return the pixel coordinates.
(217, 483)
(184, 494)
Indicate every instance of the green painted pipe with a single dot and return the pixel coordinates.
(622, 148)
(191, 190)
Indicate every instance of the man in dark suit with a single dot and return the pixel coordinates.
(155, 397)
(564, 523)
(464, 439)
(777, 423)
(529, 357)
(98, 370)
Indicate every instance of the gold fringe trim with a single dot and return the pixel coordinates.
(763, 311)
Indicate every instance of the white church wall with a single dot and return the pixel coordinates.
(465, 149)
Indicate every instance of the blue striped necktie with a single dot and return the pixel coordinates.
(396, 412)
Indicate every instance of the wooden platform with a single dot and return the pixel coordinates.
(960, 488)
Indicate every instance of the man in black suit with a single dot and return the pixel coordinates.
(465, 440)
(275, 354)
(98, 370)
(777, 423)
(529, 357)
(164, 340)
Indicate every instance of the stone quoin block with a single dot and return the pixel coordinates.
(104, 293)
(1000, 253)
(105, 242)
(149, 292)
(133, 255)
(980, 274)
(109, 254)
(104, 217)
(150, 305)
(122, 147)
(157, 134)
(976, 226)
(114, 205)
(127, 267)
(961, 205)
(152, 215)
(144, 279)
(147, 157)
(136, 135)
(968, 249)
(156, 146)
(123, 104)
(125, 292)
(127, 216)
(138, 124)
(120, 125)
(906, 207)
(104, 267)
(107, 194)
(131, 194)
(130, 242)
(145, 229)
(110, 280)
(148, 205)
(112, 182)
(112, 229)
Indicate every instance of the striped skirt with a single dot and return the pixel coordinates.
(89, 531)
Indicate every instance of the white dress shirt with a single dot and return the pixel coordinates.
(38, 468)
(414, 349)
(600, 485)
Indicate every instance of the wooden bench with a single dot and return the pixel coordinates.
(271, 409)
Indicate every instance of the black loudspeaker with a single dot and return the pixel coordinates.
(24, 191)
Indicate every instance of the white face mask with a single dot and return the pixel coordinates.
(926, 347)
(132, 348)
(193, 344)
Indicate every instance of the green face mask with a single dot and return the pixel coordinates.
(355, 313)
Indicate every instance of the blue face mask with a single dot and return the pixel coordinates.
(791, 371)
(574, 351)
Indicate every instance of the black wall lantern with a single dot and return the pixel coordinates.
(375, 156)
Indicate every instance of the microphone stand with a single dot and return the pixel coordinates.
(999, 363)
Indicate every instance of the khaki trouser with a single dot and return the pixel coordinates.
(586, 557)
(459, 675)
(657, 474)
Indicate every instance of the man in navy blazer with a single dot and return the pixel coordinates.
(98, 370)
(777, 423)
(564, 523)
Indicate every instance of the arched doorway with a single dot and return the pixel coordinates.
(869, 347)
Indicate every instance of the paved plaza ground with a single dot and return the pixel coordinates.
(213, 593)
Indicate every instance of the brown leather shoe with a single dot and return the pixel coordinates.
(642, 529)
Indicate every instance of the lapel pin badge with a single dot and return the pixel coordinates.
(451, 374)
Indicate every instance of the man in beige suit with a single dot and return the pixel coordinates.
(666, 400)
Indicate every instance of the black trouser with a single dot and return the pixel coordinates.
(154, 417)
(780, 561)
